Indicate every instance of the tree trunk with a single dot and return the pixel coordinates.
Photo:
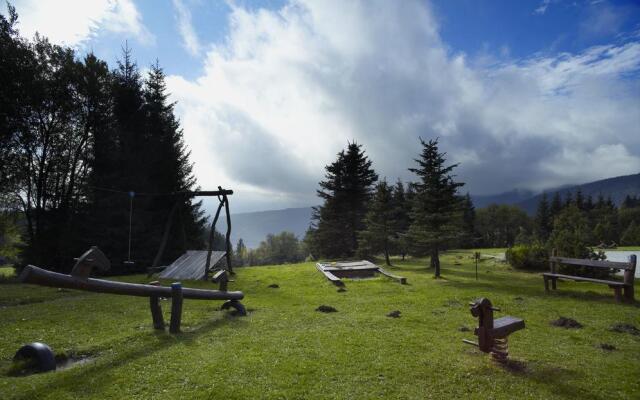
(435, 262)
(386, 254)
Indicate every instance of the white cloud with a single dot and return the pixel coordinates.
(288, 88)
(542, 8)
(73, 22)
(189, 38)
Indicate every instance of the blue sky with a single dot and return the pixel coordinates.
(524, 94)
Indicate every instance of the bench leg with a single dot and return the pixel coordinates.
(628, 294)
(553, 283)
(546, 284)
(617, 290)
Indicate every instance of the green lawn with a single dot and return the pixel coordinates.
(286, 350)
(6, 272)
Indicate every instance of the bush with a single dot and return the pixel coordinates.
(532, 257)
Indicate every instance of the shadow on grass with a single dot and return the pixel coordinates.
(75, 381)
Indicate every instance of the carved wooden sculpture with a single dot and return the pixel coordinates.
(492, 334)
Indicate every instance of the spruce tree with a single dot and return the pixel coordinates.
(556, 205)
(543, 220)
(436, 211)
(380, 224)
(468, 222)
(402, 208)
(345, 193)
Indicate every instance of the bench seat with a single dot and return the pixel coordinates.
(581, 278)
(504, 326)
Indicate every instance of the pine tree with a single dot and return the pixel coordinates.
(436, 211)
(240, 253)
(631, 236)
(379, 222)
(468, 222)
(402, 208)
(345, 192)
(543, 222)
(556, 205)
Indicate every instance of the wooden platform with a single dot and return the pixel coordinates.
(191, 265)
(335, 271)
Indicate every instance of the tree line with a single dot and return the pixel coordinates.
(82, 145)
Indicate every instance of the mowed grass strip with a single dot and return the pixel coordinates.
(286, 349)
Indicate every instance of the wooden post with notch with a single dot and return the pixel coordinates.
(629, 276)
(176, 307)
(156, 310)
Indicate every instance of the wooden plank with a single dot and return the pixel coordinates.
(331, 277)
(580, 278)
(591, 263)
(402, 280)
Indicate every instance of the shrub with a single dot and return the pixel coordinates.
(532, 257)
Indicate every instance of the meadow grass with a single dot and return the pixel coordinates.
(284, 349)
(6, 272)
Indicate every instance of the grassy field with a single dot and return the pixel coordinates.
(284, 349)
(6, 272)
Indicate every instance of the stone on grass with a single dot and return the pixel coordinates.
(326, 309)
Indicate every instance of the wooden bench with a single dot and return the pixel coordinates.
(626, 285)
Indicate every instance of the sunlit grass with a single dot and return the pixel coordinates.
(285, 349)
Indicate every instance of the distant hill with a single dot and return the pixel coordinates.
(511, 197)
(617, 188)
(253, 227)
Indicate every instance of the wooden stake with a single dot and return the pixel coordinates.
(176, 307)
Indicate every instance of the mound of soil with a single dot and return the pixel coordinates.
(568, 323)
(326, 309)
(625, 328)
(274, 286)
(394, 314)
(464, 329)
(607, 347)
(341, 290)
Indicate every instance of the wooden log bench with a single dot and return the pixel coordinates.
(623, 290)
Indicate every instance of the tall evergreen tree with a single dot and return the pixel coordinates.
(379, 222)
(468, 222)
(543, 220)
(436, 209)
(402, 208)
(556, 205)
(345, 192)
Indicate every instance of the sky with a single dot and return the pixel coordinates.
(523, 94)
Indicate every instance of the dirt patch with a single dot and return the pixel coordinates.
(274, 286)
(568, 323)
(464, 329)
(326, 309)
(394, 314)
(625, 328)
(518, 298)
(341, 290)
(607, 347)
(518, 367)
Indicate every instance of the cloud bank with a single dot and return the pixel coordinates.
(288, 88)
(52, 19)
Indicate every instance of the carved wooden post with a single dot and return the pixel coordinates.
(176, 307)
(207, 265)
(629, 276)
(156, 310)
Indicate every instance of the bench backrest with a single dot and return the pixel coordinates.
(628, 267)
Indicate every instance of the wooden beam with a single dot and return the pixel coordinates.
(39, 276)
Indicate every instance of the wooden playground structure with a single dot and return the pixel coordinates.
(94, 258)
(335, 271)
